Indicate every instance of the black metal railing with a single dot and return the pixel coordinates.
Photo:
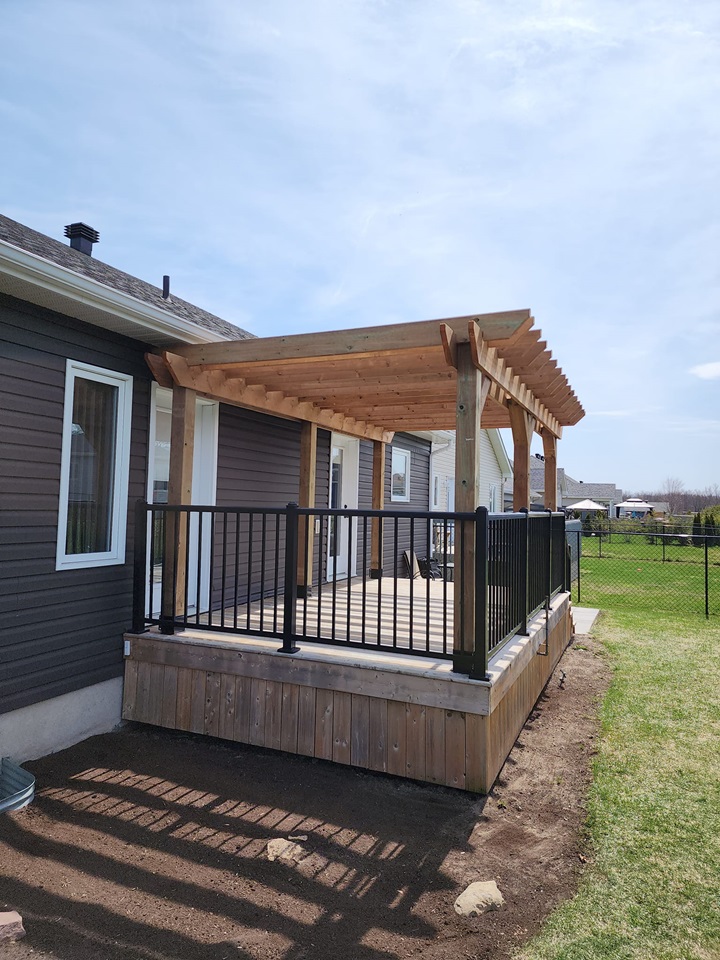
(443, 585)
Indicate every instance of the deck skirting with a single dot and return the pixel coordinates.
(407, 716)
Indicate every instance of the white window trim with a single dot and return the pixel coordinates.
(406, 453)
(116, 554)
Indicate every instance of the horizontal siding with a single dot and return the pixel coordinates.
(258, 466)
(393, 561)
(61, 630)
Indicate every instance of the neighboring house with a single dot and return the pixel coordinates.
(495, 470)
(85, 433)
(571, 491)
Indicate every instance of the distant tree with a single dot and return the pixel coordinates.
(672, 491)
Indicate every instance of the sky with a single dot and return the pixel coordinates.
(317, 165)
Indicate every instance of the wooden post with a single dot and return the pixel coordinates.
(378, 502)
(550, 452)
(472, 391)
(182, 442)
(306, 536)
(522, 424)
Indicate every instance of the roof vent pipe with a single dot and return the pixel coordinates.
(166, 287)
(82, 237)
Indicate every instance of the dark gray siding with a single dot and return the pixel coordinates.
(419, 498)
(61, 630)
(258, 466)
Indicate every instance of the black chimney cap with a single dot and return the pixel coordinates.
(82, 237)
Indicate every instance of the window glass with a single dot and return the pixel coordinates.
(94, 468)
(400, 482)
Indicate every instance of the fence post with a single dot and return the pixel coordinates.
(707, 582)
(290, 586)
(523, 567)
(579, 548)
(481, 646)
(139, 567)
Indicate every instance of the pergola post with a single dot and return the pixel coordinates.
(522, 424)
(306, 498)
(550, 454)
(182, 443)
(378, 502)
(472, 391)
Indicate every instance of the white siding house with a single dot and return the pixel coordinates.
(495, 470)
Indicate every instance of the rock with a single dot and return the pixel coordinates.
(478, 898)
(11, 926)
(284, 850)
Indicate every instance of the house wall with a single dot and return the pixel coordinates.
(393, 561)
(61, 630)
(259, 466)
(443, 467)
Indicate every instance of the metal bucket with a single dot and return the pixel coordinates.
(17, 786)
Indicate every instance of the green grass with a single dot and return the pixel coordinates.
(625, 547)
(646, 585)
(652, 890)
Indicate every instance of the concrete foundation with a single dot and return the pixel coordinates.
(53, 725)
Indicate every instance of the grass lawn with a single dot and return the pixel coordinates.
(652, 888)
(647, 586)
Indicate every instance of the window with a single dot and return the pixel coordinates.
(493, 498)
(94, 469)
(400, 479)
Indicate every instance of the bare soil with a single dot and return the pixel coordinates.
(151, 844)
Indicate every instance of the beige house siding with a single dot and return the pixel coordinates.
(443, 471)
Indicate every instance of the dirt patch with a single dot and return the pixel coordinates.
(151, 844)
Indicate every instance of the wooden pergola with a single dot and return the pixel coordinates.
(462, 374)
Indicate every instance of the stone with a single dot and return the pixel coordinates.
(478, 898)
(11, 926)
(284, 850)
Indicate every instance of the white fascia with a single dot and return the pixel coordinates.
(35, 270)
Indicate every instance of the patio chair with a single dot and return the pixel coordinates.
(428, 569)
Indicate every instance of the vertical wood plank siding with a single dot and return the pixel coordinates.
(61, 630)
(345, 714)
(419, 448)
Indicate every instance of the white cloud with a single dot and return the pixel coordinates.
(707, 371)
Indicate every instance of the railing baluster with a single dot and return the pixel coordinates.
(290, 584)
(236, 578)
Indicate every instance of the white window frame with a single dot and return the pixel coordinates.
(493, 498)
(408, 462)
(116, 553)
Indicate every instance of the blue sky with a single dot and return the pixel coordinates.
(334, 163)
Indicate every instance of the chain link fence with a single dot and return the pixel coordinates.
(648, 570)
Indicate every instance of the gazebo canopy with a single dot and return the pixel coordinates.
(373, 381)
(642, 505)
(585, 505)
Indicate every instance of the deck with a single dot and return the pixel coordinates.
(391, 613)
(392, 712)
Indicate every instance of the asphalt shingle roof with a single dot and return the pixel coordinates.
(87, 266)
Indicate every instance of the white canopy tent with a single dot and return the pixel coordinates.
(586, 505)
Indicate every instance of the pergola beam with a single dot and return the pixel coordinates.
(213, 383)
(486, 358)
(360, 342)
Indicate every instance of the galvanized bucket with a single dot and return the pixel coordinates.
(17, 786)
